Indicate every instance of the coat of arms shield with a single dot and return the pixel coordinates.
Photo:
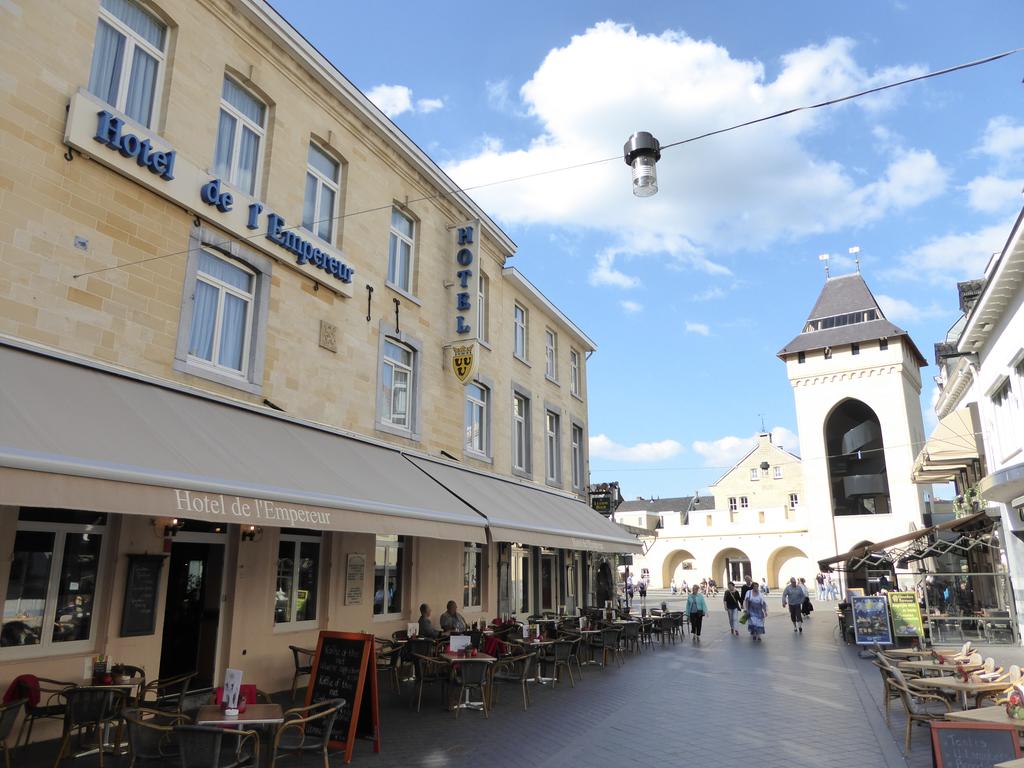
(463, 361)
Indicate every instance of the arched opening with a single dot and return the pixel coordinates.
(730, 565)
(788, 561)
(678, 565)
(856, 460)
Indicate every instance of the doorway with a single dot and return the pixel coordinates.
(192, 612)
(737, 570)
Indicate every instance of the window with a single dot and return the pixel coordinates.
(577, 456)
(126, 59)
(478, 419)
(574, 372)
(521, 438)
(732, 503)
(777, 470)
(239, 134)
(519, 575)
(754, 474)
(801, 357)
(855, 349)
(553, 445)
(550, 354)
(320, 198)
(482, 308)
(298, 576)
(744, 503)
(388, 567)
(397, 383)
(828, 353)
(883, 344)
(548, 582)
(708, 519)
(519, 321)
(400, 251)
(793, 500)
(472, 575)
(51, 589)
(760, 516)
(1002, 418)
(222, 314)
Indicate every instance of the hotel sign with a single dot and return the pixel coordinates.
(464, 347)
(248, 511)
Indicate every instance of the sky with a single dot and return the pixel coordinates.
(691, 293)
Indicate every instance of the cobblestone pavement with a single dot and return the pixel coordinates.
(794, 700)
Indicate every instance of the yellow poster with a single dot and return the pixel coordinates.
(906, 615)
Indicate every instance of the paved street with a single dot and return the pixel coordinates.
(795, 700)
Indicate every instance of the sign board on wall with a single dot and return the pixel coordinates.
(465, 279)
(355, 574)
(906, 615)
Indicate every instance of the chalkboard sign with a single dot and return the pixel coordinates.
(973, 745)
(344, 668)
(138, 615)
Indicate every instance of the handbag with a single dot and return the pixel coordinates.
(744, 617)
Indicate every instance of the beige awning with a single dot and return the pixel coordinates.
(524, 513)
(951, 448)
(81, 436)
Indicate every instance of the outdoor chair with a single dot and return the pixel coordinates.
(610, 644)
(195, 698)
(666, 629)
(167, 693)
(8, 716)
(202, 746)
(306, 729)
(95, 708)
(150, 735)
(889, 693)
(557, 656)
(388, 661)
(399, 636)
(47, 692)
(574, 655)
(920, 707)
(512, 670)
(1010, 678)
(430, 671)
(472, 675)
(631, 637)
(302, 660)
(678, 619)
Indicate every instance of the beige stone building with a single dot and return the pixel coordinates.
(234, 300)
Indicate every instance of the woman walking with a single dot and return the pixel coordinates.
(733, 601)
(793, 596)
(757, 611)
(697, 608)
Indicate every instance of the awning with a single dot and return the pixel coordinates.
(859, 553)
(517, 512)
(81, 436)
(952, 447)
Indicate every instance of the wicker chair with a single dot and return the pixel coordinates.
(50, 706)
(920, 707)
(307, 729)
(430, 671)
(610, 645)
(388, 661)
(90, 708)
(631, 637)
(512, 670)
(8, 716)
(889, 693)
(167, 693)
(302, 659)
(472, 675)
(202, 746)
(150, 734)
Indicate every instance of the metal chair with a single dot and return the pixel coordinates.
(430, 671)
(610, 644)
(512, 670)
(630, 637)
(150, 734)
(306, 729)
(388, 661)
(302, 658)
(90, 707)
(201, 746)
(50, 707)
(8, 716)
(472, 675)
(558, 655)
(166, 693)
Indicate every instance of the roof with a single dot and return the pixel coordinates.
(529, 288)
(669, 504)
(843, 295)
(754, 448)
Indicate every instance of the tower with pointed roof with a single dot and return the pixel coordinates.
(856, 381)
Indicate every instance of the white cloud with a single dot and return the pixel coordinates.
(395, 100)
(497, 95)
(701, 329)
(603, 447)
(952, 257)
(709, 294)
(991, 194)
(726, 451)
(632, 307)
(744, 189)
(903, 311)
(604, 273)
(1003, 138)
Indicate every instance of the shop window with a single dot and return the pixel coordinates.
(401, 249)
(478, 419)
(577, 457)
(553, 447)
(320, 198)
(521, 434)
(472, 576)
(240, 130)
(574, 373)
(388, 575)
(519, 322)
(52, 587)
(298, 580)
(127, 59)
(550, 354)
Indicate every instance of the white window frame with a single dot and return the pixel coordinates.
(100, 614)
(744, 502)
(482, 308)
(552, 447)
(524, 441)
(777, 472)
(732, 503)
(297, 540)
(400, 544)
(469, 550)
(576, 442)
(249, 298)
(754, 474)
(550, 355)
(480, 407)
(794, 500)
(574, 373)
(323, 181)
(410, 369)
(396, 282)
(521, 336)
(133, 39)
(241, 121)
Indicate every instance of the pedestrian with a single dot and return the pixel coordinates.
(747, 584)
(832, 590)
(756, 608)
(820, 589)
(793, 596)
(673, 586)
(805, 606)
(764, 586)
(697, 609)
(642, 589)
(629, 589)
(732, 601)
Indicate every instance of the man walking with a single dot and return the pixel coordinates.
(747, 584)
(793, 596)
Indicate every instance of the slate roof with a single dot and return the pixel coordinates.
(669, 504)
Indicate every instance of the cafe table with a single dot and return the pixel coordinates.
(989, 715)
(930, 665)
(587, 635)
(908, 654)
(258, 716)
(537, 645)
(959, 686)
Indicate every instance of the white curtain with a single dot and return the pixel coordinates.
(204, 318)
(140, 21)
(106, 63)
(141, 87)
(247, 154)
(232, 332)
(309, 202)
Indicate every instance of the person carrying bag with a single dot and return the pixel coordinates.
(697, 608)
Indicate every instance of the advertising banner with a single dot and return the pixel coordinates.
(906, 615)
(871, 620)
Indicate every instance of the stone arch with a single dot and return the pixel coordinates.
(858, 479)
(789, 561)
(674, 567)
(728, 560)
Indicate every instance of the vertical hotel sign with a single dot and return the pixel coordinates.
(464, 346)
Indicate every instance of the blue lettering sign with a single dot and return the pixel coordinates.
(465, 235)
(211, 195)
(110, 131)
(305, 252)
(461, 326)
(255, 209)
